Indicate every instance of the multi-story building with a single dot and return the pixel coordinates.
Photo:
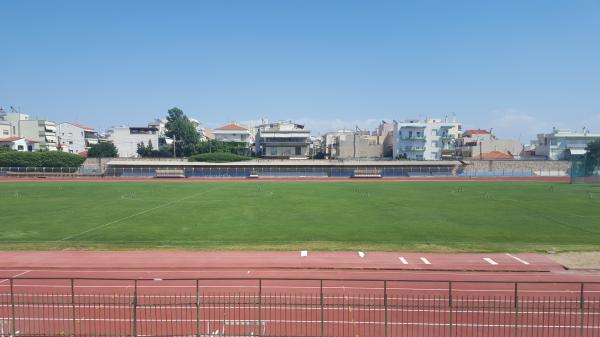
(478, 144)
(385, 130)
(330, 139)
(358, 145)
(431, 139)
(6, 129)
(282, 140)
(76, 138)
(232, 133)
(563, 144)
(41, 132)
(126, 139)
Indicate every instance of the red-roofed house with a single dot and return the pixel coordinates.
(232, 133)
(481, 144)
(15, 143)
(496, 155)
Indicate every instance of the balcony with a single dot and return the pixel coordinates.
(413, 138)
(414, 149)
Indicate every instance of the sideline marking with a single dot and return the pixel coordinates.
(20, 274)
(403, 260)
(490, 261)
(425, 260)
(304, 253)
(136, 214)
(517, 258)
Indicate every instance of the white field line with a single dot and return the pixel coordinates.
(517, 258)
(403, 260)
(302, 309)
(291, 321)
(304, 253)
(425, 260)
(490, 261)
(136, 214)
(14, 276)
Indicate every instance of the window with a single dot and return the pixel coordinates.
(5, 132)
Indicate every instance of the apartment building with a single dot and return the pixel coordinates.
(431, 139)
(282, 140)
(480, 144)
(126, 139)
(562, 144)
(42, 132)
(75, 137)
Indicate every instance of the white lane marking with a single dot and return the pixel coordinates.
(361, 254)
(490, 261)
(304, 253)
(403, 260)
(20, 274)
(69, 237)
(517, 258)
(425, 260)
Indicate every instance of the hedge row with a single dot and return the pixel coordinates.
(218, 157)
(40, 159)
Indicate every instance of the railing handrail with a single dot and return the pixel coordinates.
(296, 279)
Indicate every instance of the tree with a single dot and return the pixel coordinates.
(182, 130)
(146, 151)
(103, 150)
(593, 151)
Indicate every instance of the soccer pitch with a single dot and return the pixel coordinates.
(260, 215)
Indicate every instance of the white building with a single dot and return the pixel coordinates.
(282, 140)
(562, 144)
(126, 139)
(42, 132)
(15, 143)
(431, 139)
(76, 138)
(232, 133)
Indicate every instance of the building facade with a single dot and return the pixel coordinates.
(232, 133)
(562, 144)
(16, 144)
(282, 140)
(480, 144)
(126, 139)
(76, 138)
(41, 131)
(431, 139)
(358, 145)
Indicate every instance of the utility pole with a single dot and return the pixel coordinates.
(174, 146)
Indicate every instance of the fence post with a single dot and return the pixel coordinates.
(322, 310)
(12, 305)
(259, 308)
(385, 305)
(73, 310)
(198, 308)
(135, 299)
(516, 310)
(582, 306)
(450, 304)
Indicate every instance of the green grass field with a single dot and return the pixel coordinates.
(431, 216)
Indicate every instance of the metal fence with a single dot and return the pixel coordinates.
(278, 171)
(297, 307)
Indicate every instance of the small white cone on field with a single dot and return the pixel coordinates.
(361, 254)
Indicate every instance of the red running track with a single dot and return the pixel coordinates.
(329, 294)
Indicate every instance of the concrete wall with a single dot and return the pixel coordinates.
(538, 167)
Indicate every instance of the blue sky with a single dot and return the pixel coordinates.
(517, 66)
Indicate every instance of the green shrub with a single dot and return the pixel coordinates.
(40, 159)
(103, 150)
(218, 157)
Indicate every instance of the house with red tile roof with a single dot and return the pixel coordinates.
(232, 133)
(17, 144)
